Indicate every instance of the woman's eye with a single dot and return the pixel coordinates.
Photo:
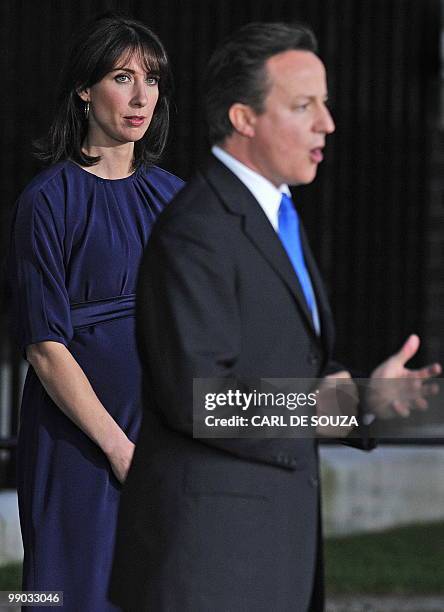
(152, 80)
(122, 78)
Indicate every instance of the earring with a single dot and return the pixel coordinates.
(86, 110)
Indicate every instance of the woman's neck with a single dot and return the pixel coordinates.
(115, 162)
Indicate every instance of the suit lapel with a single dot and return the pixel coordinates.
(261, 233)
(239, 200)
(327, 330)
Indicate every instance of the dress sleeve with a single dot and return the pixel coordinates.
(40, 304)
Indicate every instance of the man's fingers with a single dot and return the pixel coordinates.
(421, 403)
(401, 408)
(340, 374)
(428, 371)
(408, 349)
(431, 389)
(411, 388)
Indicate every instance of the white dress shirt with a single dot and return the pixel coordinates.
(268, 196)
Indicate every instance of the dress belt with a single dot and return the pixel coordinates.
(92, 313)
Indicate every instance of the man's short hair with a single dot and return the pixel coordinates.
(236, 70)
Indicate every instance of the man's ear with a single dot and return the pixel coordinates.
(243, 119)
(83, 94)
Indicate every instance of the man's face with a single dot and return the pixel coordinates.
(288, 137)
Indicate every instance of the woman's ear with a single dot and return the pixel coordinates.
(83, 94)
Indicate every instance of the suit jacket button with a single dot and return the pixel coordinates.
(313, 359)
(314, 481)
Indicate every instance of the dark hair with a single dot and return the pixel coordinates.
(95, 51)
(236, 71)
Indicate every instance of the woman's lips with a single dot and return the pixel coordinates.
(316, 155)
(135, 121)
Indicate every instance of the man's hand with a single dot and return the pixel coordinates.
(336, 399)
(395, 390)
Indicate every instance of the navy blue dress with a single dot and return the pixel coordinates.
(76, 247)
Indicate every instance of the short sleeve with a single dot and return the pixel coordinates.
(40, 305)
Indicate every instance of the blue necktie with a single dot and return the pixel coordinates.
(290, 235)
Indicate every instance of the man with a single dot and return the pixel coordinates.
(232, 525)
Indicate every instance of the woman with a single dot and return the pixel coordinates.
(79, 232)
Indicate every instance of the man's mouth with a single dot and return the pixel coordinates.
(316, 155)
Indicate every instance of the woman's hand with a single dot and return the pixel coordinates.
(120, 457)
(67, 385)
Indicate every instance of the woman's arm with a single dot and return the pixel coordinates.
(66, 384)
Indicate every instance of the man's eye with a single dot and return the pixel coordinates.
(122, 78)
(302, 107)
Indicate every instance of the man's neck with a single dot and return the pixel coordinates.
(240, 149)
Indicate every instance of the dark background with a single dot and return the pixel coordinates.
(369, 213)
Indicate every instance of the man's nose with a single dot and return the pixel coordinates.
(325, 121)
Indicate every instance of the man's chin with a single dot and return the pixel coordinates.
(301, 180)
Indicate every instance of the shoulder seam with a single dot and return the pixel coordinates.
(153, 166)
(37, 190)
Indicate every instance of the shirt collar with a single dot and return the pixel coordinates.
(268, 196)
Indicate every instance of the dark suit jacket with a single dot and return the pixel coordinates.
(222, 525)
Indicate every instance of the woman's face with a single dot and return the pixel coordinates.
(121, 104)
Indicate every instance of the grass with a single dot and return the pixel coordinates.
(405, 560)
(11, 577)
